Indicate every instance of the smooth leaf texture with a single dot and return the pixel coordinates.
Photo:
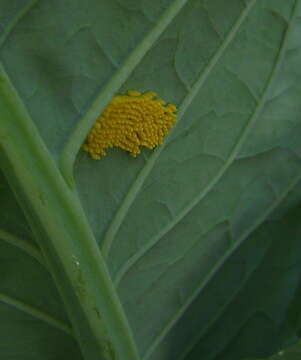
(292, 353)
(202, 236)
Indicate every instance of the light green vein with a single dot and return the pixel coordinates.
(53, 209)
(138, 183)
(38, 314)
(78, 135)
(236, 148)
(218, 314)
(215, 318)
(218, 265)
(19, 15)
(23, 245)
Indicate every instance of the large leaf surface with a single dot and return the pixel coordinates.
(206, 258)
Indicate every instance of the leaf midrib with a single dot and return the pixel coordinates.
(67, 241)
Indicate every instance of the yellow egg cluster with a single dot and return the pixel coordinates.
(130, 121)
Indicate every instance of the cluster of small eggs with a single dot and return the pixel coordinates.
(130, 121)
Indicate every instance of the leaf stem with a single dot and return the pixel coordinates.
(78, 135)
(68, 244)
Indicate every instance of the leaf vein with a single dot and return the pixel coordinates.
(36, 313)
(218, 265)
(145, 171)
(19, 15)
(235, 150)
(23, 245)
(78, 135)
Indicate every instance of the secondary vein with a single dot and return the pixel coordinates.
(212, 273)
(19, 15)
(78, 135)
(36, 313)
(248, 231)
(145, 171)
(24, 245)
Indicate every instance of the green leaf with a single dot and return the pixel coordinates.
(292, 353)
(187, 252)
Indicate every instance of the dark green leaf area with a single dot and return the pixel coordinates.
(12, 219)
(23, 337)
(30, 308)
(249, 318)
